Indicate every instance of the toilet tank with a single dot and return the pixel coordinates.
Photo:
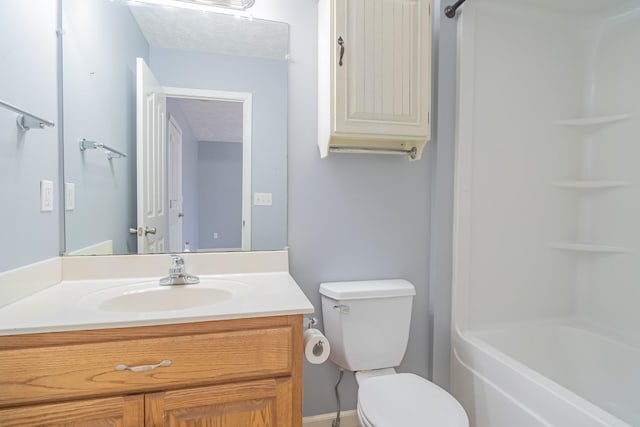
(367, 322)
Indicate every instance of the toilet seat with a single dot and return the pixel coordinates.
(407, 400)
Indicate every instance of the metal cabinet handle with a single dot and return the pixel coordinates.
(341, 43)
(143, 368)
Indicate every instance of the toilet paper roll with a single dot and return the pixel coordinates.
(316, 346)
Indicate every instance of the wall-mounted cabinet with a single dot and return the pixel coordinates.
(374, 75)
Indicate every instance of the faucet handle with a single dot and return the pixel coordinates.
(177, 265)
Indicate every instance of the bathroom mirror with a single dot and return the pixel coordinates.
(215, 102)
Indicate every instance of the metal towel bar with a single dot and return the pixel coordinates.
(27, 120)
(411, 152)
(112, 153)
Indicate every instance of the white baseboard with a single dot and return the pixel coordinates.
(347, 419)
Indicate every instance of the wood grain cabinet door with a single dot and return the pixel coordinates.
(125, 411)
(383, 72)
(263, 403)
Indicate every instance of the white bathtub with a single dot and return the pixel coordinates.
(546, 375)
(537, 234)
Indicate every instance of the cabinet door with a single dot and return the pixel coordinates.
(114, 411)
(383, 84)
(265, 403)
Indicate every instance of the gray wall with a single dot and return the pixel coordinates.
(28, 64)
(189, 175)
(100, 43)
(220, 194)
(352, 217)
(267, 81)
(442, 199)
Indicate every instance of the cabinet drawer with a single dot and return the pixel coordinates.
(62, 372)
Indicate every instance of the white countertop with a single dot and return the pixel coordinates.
(74, 304)
(65, 306)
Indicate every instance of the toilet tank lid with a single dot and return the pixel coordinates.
(364, 289)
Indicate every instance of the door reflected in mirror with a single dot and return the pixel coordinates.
(201, 141)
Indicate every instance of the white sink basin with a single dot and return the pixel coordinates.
(152, 297)
(164, 299)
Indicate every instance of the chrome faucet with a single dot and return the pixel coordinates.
(178, 273)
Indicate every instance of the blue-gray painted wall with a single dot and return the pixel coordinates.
(101, 41)
(28, 79)
(220, 194)
(189, 175)
(266, 80)
(352, 216)
(212, 188)
(440, 277)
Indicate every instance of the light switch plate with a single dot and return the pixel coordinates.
(69, 196)
(46, 196)
(262, 199)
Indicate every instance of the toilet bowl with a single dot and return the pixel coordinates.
(406, 400)
(367, 324)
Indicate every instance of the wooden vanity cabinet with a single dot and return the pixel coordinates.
(244, 372)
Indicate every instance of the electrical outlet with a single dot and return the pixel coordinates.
(46, 196)
(69, 196)
(215, 235)
(262, 199)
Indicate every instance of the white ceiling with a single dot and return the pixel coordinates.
(213, 121)
(193, 30)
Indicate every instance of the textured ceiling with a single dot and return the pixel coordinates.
(184, 29)
(219, 121)
(192, 30)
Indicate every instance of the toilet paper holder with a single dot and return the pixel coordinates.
(312, 321)
(316, 345)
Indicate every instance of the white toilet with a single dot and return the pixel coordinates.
(367, 324)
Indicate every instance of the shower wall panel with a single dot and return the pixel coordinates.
(609, 291)
(528, 71)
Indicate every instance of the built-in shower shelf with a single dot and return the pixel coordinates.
(589, 184)
(591, 121)
(591, 247)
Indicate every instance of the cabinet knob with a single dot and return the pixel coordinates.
(341, 44)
